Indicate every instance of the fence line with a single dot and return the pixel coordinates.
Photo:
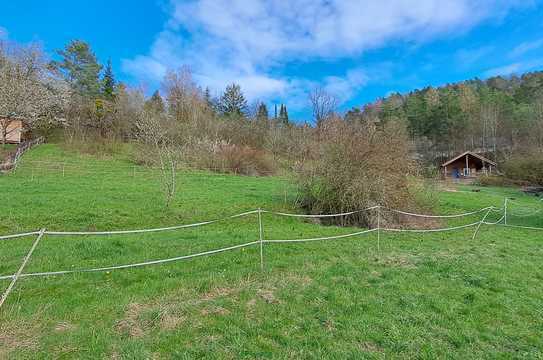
(176, 227)
(139, 231)
(261, 241)
(153, 262)
(16, 276)
(441, 216)
(431, 230)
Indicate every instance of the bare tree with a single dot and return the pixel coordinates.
(323, 104)
(28, 90)
(153, 130)
(182, 94)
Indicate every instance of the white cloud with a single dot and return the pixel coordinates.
(514, 68)
(3, 33)
(467, 57)
(247, 41)
(525, 47)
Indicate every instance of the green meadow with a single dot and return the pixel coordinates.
(408, 295)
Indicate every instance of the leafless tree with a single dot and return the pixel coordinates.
(182, 94)
(153, 130)
(323, 104)
(28, 90)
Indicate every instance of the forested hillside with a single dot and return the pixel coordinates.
(498, 116)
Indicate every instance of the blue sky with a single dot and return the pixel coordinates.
(279, 50)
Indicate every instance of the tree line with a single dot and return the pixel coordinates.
(499, 117)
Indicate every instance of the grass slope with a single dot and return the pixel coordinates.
(420, 296)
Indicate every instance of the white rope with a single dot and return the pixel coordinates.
(153, 262)
(117, 232)
(16, 276)
(520, 227)
(494, 223)
(509, 213)
(431, 230)
(441, 216)
(5, 237)
(321, 215)
(322, 238)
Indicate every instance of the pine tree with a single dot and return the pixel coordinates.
(155, 103)
(208, 99)
(80, 68)
(283, 115)
(108, 83)
(262, 113)
(232, 102)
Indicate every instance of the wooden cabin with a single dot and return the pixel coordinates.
(14, 130)
(467, 165)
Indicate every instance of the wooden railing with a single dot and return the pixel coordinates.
(13, 159)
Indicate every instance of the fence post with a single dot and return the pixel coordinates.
(379, 229)
(261, 236)
(505, 211)
(18, 273)
(480, 223)
(63, 166)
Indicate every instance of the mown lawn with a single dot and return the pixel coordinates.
(437, 295)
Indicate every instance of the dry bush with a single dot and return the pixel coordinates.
(355, 166)
(94, 145)
(527, 167)
(244, 160)
(493, 180)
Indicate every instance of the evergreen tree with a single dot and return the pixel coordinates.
(232, 102)
(108, 83)
(80, 68)
(283, 115)
(210, 102)
(155, 103)
(262, 113)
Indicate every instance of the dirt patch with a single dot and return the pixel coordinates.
(22, 336)
(215, 293)
(64, 326)
(169, 321)
(268, 296)
(370, 346)
(398, 261)
(131, 323)
(214, 310)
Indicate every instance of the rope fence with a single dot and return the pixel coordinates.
(502, 221)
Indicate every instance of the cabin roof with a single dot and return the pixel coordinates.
(482, 158)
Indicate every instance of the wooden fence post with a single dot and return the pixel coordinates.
(261, 236)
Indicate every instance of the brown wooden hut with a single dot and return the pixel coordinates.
(13, 129)
(467, 165)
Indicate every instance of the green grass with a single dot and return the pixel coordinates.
(440, 295)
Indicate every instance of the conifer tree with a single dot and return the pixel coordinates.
(108, 83)
(283, 115)
(80, 68)
(155, 103)
(262, 113)
(208, 99)
(233, 102)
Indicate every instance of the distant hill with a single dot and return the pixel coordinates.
(496, 116)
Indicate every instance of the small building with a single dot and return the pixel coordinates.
(468, 165)
(13, 129)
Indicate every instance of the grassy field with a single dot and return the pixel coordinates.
(437, 295)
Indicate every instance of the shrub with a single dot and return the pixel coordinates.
(244, 160)
(525, 167)
(492, 180)
(356, 166)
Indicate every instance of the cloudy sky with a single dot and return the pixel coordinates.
(278, 50)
